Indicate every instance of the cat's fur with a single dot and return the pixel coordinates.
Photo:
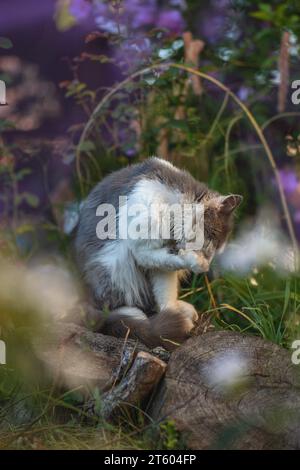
(137, 280)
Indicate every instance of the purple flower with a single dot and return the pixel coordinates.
(297, 217)
(130, 152)
(171, 20)
(132, 6)
(179, 4)
(289, 180)
(134, 52)
(80, 9)
(137, 15)
(144, 16)
(212, 26)
(243, 93)
(140, 45)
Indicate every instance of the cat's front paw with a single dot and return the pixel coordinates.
(187, 310)
(196, 262)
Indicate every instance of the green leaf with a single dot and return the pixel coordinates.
(261, 15)
(63, 18)
(102, 58)
(5, 125)
(87, 146)
(178, 124)
(24, 228)
(31, 199)
(22, 173)
(266, 7)
(5, 43)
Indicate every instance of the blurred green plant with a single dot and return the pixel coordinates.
(5, 43)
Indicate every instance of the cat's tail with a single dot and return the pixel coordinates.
(168, 329)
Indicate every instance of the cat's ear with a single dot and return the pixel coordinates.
(230, 203)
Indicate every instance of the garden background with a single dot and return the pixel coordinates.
(95, 85)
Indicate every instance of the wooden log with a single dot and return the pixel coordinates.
(76, 356)
(228, 390)
(141, 379)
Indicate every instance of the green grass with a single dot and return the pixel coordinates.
(44, 419)
(263, 303)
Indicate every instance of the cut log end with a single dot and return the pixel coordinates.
(229, 390)
(124, 371)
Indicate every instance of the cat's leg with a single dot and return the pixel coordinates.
(157, 258)
(175, 318)
(196, 261)
(165, 289)
(150, 257)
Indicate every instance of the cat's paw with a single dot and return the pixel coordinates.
(174, 324)
(187, 310)
(196, 262)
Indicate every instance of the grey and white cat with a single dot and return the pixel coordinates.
(137, 280)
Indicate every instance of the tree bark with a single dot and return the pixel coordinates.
(132, 390)
(76, 356)
(228, 390)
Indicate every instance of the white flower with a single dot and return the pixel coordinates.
(227, 370)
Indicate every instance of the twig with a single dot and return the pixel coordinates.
(211, 296)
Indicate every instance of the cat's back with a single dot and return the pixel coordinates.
(124, 181)
(152, 178)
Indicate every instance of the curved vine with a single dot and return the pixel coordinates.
(222, 87)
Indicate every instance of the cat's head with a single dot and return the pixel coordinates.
(211, 230)
(218, 220)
